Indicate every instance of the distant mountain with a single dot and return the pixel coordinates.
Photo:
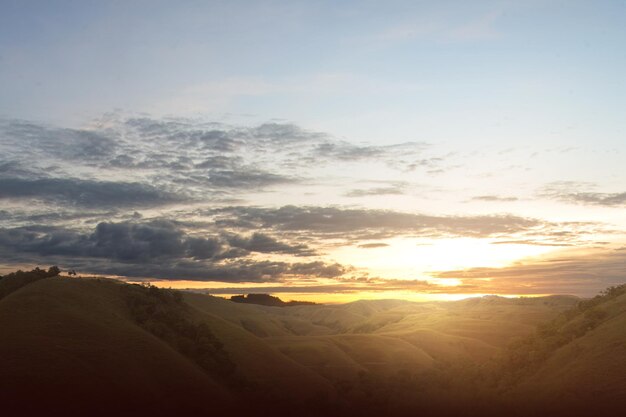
(267, 300)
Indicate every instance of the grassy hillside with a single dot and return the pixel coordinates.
(72, 344)
(577, 359)
(97, 346)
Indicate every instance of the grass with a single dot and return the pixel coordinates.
(76, 342)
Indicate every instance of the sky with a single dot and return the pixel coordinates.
(317, 150)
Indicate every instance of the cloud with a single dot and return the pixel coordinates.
(350, 285)
(344, 151)
(573, 272)
(375, 191)
(16, 169)
(431, 164)
(260, 242)
(86, 193)
(582, 193)
(69, 195)
(319, 269)
(47, 141)
(534, 242)
(373, 245)
(348, 152)
(43, 215)
(281, 133)
(364, 222)
(599, 199)
(192, 157)
(160, 248)
(219, 137)
(235, 271)
(246, 179)
(336, 225)
(494, 198)
(142, 241)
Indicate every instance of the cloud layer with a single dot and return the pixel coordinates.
(580, 273)
(163, 249)
(179, 199)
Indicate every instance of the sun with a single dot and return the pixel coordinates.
(411, 258)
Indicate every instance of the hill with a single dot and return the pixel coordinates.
(99, 346)
(71, 345)
(81, 346)
(578, 359)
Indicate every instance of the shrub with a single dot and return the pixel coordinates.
(163, 313)
(16, 280)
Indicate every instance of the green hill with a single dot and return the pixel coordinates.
(72, 345)
(578, 359)
(101, 347)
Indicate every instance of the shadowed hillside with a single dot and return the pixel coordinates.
(75, 345)
(98, 346)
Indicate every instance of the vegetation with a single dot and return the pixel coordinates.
(526, 354)
(384, 357)
(162, 312)
(606, 295)
(16, 280)
(268, 300)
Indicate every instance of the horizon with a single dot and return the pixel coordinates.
(424, 151)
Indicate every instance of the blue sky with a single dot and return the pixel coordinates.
(507, 110)
(371, 70)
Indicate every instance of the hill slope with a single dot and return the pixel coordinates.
(71, 344)
(97, 346)
(582, 359)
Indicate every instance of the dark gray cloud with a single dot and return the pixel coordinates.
(160, 249)
(141, 242)
(319, 269)
(46, 141)
(15, 169)
(260, 242)
(116, 241)
(47, 217)
(364, 223)
(238, 270)
(250, 179)
(220, 162)
(86, 193)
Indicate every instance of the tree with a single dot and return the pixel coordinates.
(53, 271)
